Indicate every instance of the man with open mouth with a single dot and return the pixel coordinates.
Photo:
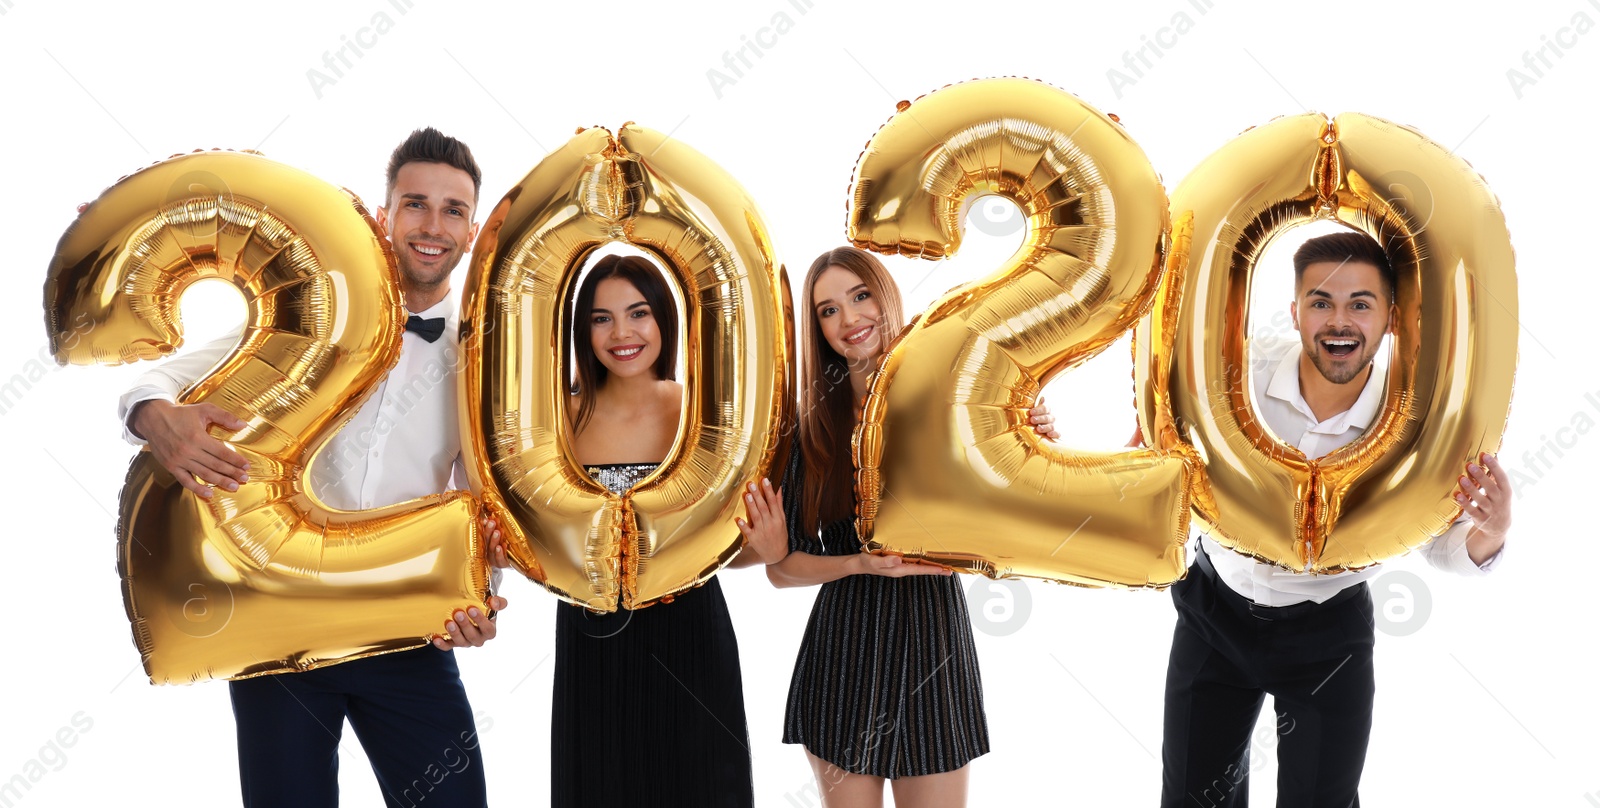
(1247, 628)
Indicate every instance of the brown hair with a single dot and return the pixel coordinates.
(827, 414)
(1339, 248)
(648, 280)
(429, 145)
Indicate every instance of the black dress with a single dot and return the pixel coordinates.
(886, 682)
(648, 706)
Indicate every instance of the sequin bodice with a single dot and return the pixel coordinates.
(619, 477)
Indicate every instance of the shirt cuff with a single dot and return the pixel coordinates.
(1452, 551)
(133, 398)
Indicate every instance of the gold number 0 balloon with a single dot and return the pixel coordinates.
(674, 529)
(264, 579)
(1454, 354)
(948, 468)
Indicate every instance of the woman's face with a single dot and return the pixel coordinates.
(848, 314)
(623, 330)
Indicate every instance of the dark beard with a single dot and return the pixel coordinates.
(1337, 373)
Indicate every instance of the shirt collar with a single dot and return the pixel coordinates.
(1285, 386)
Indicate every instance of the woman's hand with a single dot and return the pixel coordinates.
(1043, 422)
(893, 566)
(766, 532)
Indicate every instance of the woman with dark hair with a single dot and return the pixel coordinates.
(648, 707)
(886, 684)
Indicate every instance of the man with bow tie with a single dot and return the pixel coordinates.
(408, 709)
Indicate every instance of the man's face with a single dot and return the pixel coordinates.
(1342, 313)
(429, 222)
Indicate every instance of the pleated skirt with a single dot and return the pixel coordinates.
(648, 707)
(886, 682)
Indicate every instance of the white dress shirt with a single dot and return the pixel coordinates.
(403, 443)
(1283, 409)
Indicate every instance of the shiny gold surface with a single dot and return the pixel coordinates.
(675, 529)
(1454, 350)
(265, 579)
(949, 470)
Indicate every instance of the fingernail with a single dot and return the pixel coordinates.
(233, 486)
(1473, 467)
(473, 611)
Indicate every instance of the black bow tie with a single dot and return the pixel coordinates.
(430, 330)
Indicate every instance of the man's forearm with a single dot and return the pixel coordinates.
(1483, 545)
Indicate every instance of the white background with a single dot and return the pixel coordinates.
(1487, 701)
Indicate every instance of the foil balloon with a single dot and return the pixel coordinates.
(674, 529)
(949, 469)
(265, 579)
(1453, 352)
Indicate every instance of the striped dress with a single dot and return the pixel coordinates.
(886, 682)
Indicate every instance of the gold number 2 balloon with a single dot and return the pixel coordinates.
(1454, 349)
(949, 470)
(265, 579)
(674, 529)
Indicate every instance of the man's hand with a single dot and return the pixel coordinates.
(1485, 497)
(497, 545)
(469, 628)
(179, 438)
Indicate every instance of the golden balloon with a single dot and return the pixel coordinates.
(949, 469)
(1454, 347)
(265, 579)
(676, 528)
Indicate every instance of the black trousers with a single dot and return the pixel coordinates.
(1317, 665)
(408, 709)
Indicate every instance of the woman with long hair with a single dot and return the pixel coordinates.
(886, 684)
(648, 707)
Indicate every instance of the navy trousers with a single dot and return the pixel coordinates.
(1226, 657)
(408, 709)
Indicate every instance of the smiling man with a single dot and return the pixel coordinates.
(408, 709)
(1247, 629)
